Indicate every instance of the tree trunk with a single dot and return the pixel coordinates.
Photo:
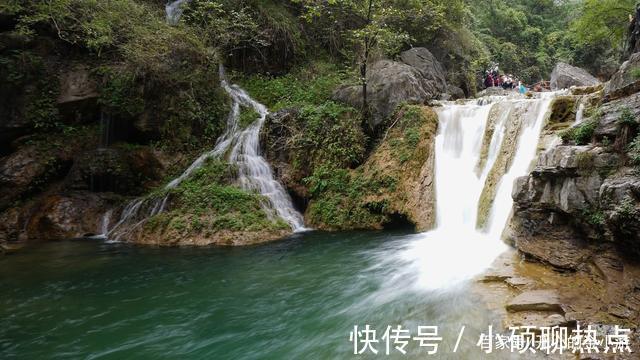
(366, 114)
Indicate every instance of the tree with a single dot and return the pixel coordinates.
(371, 34)
(603, 21)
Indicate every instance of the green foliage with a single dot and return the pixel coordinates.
(309, 84)
(339, 198)
(331, 135)
(525, 37)
(581, 134)
(207, 201)
(627, 118)
(247, 117)
(634, 151)
(594, 217)
(410, 122)
(324, 131)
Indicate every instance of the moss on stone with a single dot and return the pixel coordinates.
(494, 115)
(397, 179)
(563, 109)
(209, 203)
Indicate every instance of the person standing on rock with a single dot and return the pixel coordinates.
(521, 88)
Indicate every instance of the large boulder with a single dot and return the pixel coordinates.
(26, 170)
(432, 71)
(565, 76)
(68, 215)
(610, 114)
(624, 82)
(415, 80)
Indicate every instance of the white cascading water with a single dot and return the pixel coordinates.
(174, 11)
(254, 172)
(456, 249)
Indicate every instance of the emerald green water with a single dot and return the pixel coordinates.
(297, 298)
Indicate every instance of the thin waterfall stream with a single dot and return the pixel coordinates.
(242, 146)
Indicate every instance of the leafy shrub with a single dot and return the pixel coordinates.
(627, 118)
(247, 117)
(208, 201)
(634, 151)
(581, 134)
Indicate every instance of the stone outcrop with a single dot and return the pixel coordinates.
(578, 199)
(565, 76)
(429, 67)
(625, 81)
(418, 78)
(27, 170)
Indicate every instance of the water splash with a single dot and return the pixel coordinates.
(456, 250)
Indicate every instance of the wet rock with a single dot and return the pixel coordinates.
(624, 82)
(28, 169)
(620, 199)
(276, 133)
(535, 318)
(69, 215)
(494, 91)
(10, 225)
(455, 92)
(557, 249)
(536, 300)
(127, 172)
(78, 95)
(565, 76)
(76, 85)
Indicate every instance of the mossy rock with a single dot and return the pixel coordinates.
(563, 109)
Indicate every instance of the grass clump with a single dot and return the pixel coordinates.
(247, 117)
(208, 202)
(634, 151)
(340, 199)
(581, 134)
(309, 84)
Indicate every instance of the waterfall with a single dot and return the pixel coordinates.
(242, 146)
(174, 11)
(579, 114)
(481, 148)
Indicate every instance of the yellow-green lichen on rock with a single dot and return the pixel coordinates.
(502, 163)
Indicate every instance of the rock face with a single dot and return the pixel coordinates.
(633, 38)
(565, 76)
(580, 199)
(27, 169)
(68, 215)
(419, 78)
(624, 82)
(429, 67)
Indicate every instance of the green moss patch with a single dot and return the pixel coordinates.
(208, 202)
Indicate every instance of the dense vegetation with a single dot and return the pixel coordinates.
(161, 78)
(209, 202)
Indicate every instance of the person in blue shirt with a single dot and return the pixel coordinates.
(521, 88)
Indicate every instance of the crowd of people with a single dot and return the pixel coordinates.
(493, 78)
